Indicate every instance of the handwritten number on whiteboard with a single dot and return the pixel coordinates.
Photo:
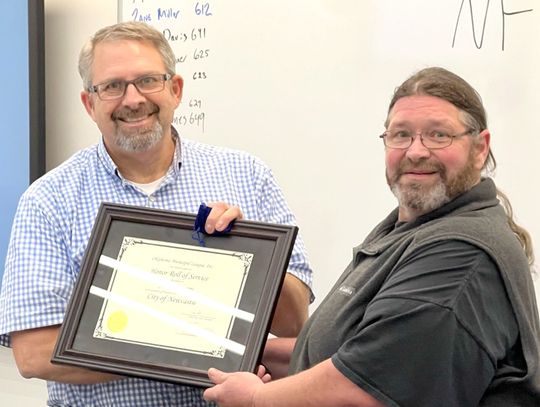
(202, 9)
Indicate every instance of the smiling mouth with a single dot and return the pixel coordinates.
(143, 112)
(419, 172)
(418, 176)
(134, 119)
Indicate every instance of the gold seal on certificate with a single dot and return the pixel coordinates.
(151, 302)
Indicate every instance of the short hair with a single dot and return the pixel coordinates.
(131, 30)
(441, 83)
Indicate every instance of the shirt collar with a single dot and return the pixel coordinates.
(480, 196)
(177, 158)
(106, 159)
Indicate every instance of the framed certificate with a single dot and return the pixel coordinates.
(151, 301)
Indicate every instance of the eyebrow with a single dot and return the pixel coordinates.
(116, 79)
(428, 123)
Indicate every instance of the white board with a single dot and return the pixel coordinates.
(305, 85)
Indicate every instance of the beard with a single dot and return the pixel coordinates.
(422, 198)
(140, 139)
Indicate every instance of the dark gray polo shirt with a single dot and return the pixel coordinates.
(428, 314)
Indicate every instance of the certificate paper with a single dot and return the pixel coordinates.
(213, 274)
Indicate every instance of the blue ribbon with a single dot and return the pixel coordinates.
(200, 220)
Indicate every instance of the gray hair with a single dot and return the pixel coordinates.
(130, 30)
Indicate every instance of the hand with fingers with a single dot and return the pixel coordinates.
(221, 215)
(235, 389)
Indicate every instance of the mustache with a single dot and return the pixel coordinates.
(142, 110)
(407, 166)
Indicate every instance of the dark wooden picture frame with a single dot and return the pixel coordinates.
(270, 247)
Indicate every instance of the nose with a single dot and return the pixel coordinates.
(132, 96)
(417, 150)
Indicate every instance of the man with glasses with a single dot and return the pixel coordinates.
(437, 307)
(131, 91)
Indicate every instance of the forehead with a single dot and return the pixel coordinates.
(125, 59)
(423, 110)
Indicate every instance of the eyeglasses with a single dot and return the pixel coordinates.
(116, 89)
(432, 139)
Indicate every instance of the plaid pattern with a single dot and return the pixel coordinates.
(53, 224)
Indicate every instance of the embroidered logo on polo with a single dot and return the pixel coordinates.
(347, 290)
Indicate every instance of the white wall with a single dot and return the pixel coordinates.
(323, 72)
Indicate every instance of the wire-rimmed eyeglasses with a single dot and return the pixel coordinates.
(116, 89)
(433, 139)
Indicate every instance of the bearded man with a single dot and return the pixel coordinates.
(437, 307)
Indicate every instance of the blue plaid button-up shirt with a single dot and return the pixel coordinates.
(53, 223)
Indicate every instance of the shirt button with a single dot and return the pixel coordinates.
(152, 198)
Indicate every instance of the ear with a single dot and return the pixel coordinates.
(177, 85)
(482, 148)
(88, 102)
